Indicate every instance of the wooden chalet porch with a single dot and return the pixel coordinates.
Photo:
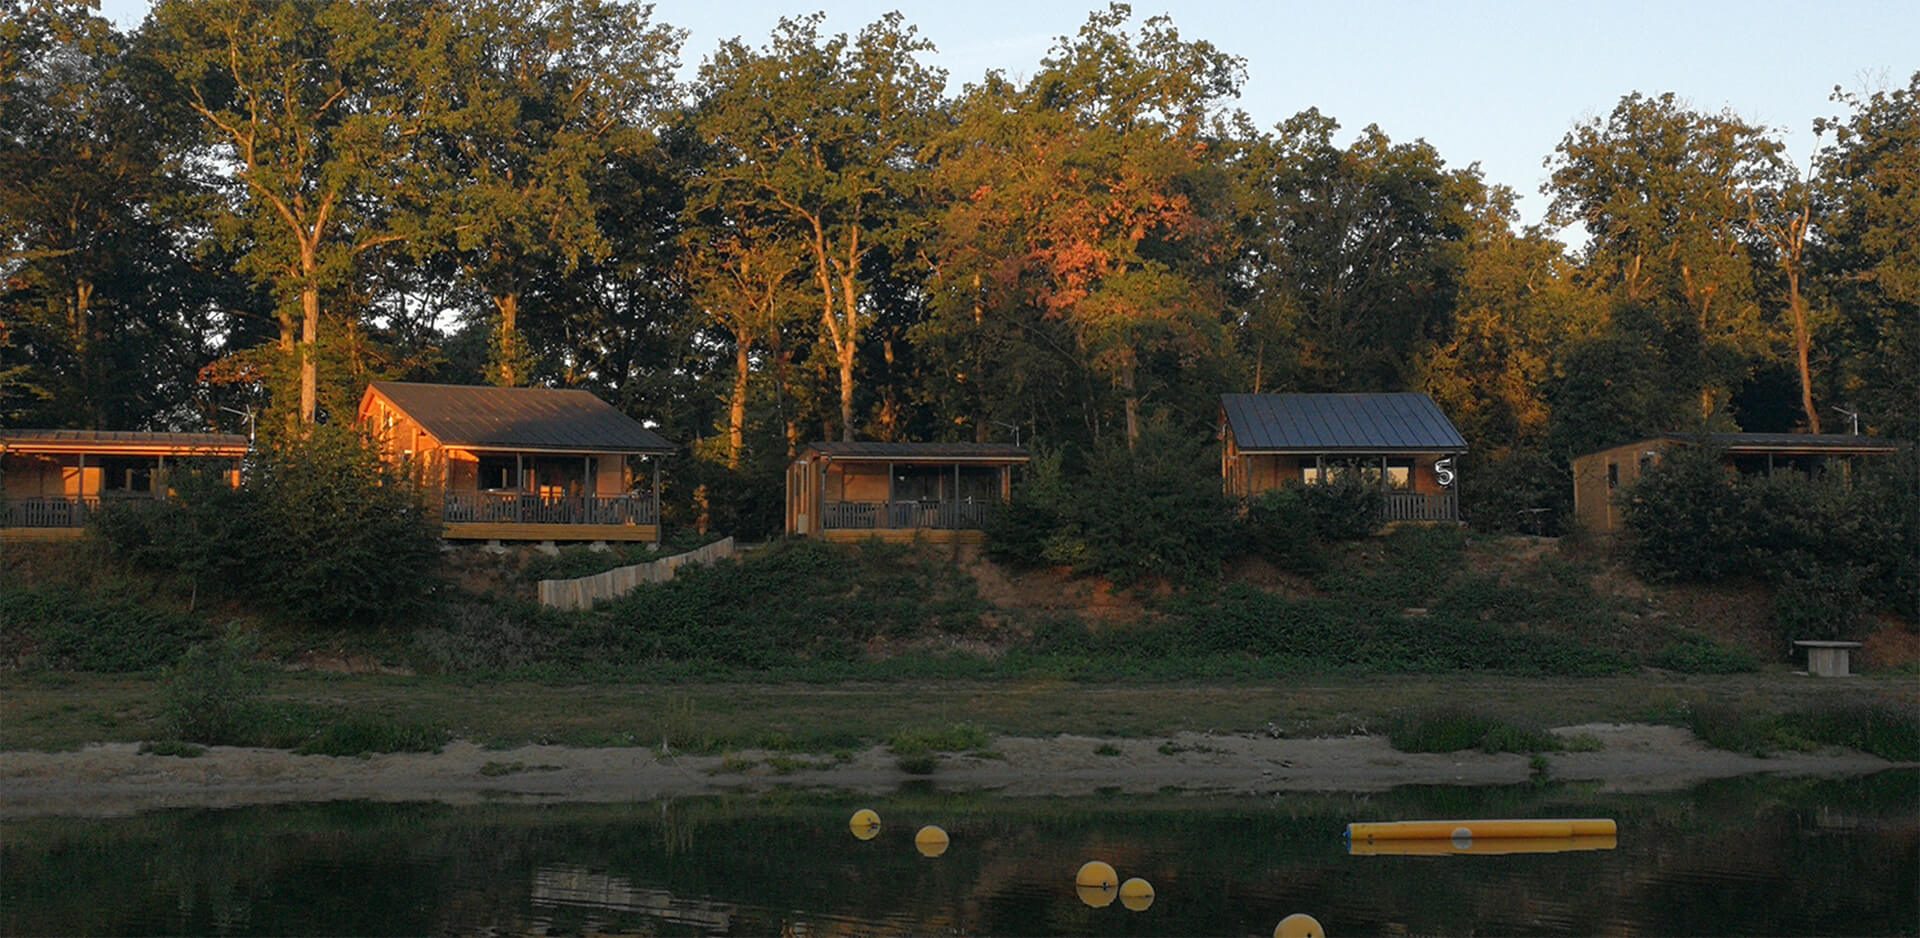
(53, 482)
(939, 492)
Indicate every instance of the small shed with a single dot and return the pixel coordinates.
(539, 464)
(1599, 476)
(54, 480)
(942, 492)
(1399, 441)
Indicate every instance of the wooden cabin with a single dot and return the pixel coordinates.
(523, 464)
(940, 492)
(52, 481)
(1401, 442)
(1599, 476)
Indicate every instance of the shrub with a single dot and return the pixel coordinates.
(959, 737)
(363, 733)
(1821, 603)
(1698, 654)
(210, 693)
(350, 542)
(1523, 492)
(76, 633)
(1685, 519)
(1451, 729)
(323, 533)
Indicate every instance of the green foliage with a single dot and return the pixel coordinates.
(322, 534)
(957, 737)
(1885, 729)
(1830, 550)
(57, 629)
(353, 544)
(1150, 510)
(1453, 729)
(210, 696)
(1293, 525)
(1526, 492)
(1684, 517)
(363, 733)
(1693, 653)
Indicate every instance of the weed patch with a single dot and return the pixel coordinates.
(1453, 730)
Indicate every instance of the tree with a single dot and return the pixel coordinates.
(548, 93)
(823, 133)
(1867, 210)
(1658, 188)
(109, 303)
(319, 108)
(1352, 257)
(1088, 198)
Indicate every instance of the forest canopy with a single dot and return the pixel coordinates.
(251, 204)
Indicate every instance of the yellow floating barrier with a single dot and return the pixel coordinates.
(1477, 846)
(1450, 830)
(931, 841)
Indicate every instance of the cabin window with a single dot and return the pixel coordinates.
(1613, 475)
(1399, 471)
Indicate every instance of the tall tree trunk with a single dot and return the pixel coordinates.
(737, 413)
(507, 352)
(1133, 406)
(80, 321)
(309, 328)
(1802, 348)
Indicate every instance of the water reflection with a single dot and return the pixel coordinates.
(1744, 856)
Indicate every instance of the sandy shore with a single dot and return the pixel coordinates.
(115, 779)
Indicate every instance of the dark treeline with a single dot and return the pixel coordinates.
(267, 205)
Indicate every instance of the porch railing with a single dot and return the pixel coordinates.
(1414, 506)
(531, 508)
(50, 511)
(963, 515)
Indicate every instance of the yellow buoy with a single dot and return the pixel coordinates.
(1136, 894)
(931, 841)
(865, 824)
(1299, 925)
(1097, 884)
(1097, 874)
(1469, 830)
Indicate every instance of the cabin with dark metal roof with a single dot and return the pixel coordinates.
(940, 492)
(1398, 441)
(527, 464)
(1598, 477)
(52, 481)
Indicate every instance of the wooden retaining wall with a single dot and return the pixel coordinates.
(583, 592)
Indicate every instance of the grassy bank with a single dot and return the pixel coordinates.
(55, 711)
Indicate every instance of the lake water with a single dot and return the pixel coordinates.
(1751, 856)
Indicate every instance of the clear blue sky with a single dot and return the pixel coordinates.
(1493, 83)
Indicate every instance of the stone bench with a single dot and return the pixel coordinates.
(1828, 659)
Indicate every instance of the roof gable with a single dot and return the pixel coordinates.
(547, 419)
(1339, 423)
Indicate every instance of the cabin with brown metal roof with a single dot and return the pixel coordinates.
(52, 481)
(1599, 477)
(938, 492)
(523, 464)
(1400, 442)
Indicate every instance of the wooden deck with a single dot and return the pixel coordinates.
(904, 535)
(39, 535)
(510, 531)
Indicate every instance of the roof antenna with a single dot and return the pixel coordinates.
(248, 413)
(1852, 414)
